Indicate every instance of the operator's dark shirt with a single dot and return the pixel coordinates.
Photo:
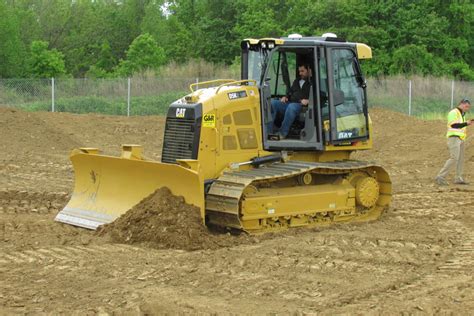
(296, 94)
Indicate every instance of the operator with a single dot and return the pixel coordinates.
(291, 104)
(456, 135)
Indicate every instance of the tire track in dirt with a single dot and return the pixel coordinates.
(28, 173)
(64, 273)
(32, 231)
(314, 267)
(450, 275)
(463, 258)
(62, 255)
(224, 273)
(24, 202)
(420, 294)
(185, 271)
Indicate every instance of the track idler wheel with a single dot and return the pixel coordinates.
(367, 189)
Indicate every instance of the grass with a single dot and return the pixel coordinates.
(432, 116)
(427, 109)
(431, 97)
(145, 105)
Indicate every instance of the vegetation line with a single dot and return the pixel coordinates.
(112, 39)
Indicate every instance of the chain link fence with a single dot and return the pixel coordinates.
(419, 96)
(124, 96)
(425, 97)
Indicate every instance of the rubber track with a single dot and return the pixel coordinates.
(222, 200)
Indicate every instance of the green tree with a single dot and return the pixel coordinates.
(45, 63)
(217, 42)
(259, 18)
(11, 46)
(93, 38)
(106, 60)
(460, 17)
(95, 35)
(144, 53)
(103, 68)
(412, 59)
(461, 70)
(170, 32)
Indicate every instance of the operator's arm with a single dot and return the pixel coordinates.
(293, 89)
(305, 90)
(305, 93)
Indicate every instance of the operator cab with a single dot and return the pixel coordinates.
(337, 109)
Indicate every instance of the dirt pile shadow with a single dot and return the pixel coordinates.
(165, 221)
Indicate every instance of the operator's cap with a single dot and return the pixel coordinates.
(466, 100)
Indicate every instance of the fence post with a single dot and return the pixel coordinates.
(128, 98)
(409, 98)
(52, 94)
(452, 94)
(197, 81)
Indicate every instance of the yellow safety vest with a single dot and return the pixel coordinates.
(455, 116)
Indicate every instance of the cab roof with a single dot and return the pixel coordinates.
(363, 50)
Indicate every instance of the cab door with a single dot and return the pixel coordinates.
(282, 70)
(348, 115)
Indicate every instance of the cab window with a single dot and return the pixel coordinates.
(348, 96)
(282, 72)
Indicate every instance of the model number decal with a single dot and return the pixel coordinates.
(237, 95)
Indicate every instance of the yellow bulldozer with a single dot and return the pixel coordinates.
(220, 156)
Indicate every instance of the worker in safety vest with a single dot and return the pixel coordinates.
(457, 126)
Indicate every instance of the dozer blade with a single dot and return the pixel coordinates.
(106, 187)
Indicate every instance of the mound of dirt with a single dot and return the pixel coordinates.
(28, 133)
(35, 146)
(46, 132)
(165, 221)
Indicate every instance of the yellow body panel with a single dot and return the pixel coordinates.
(363, 51)
(236, 136)
(253, 41)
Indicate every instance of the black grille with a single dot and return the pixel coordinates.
(180, 141)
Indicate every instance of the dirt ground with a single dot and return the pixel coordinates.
(417, 259)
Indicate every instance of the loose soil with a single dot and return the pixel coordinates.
(159, 259)
(165, 221)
